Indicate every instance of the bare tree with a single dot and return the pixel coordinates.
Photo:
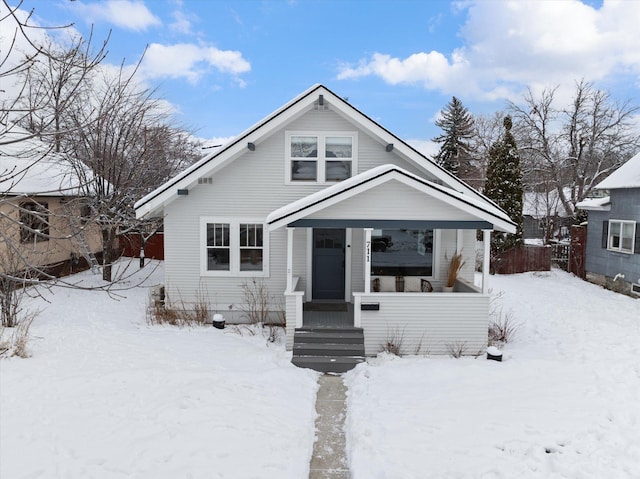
(572, 149)
(129, 149)
(488, 129)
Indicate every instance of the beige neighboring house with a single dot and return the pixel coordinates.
(43, 215)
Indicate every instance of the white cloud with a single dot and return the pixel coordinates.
(181, 23)
(185, 60)
(127, 14)
(510, 44)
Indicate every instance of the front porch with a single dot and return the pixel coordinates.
(382, 242)
(417, 322)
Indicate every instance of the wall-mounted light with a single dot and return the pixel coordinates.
(389, 147)
(251, 146)
(183, 192)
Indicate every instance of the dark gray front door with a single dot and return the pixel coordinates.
(328, 263)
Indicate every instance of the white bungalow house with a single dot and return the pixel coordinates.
(348, 227)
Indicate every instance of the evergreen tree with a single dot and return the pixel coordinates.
(457, 126)
(504, 187)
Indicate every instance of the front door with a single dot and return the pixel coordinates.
(328, 264)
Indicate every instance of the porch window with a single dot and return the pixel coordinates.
(320, 158)
(402, 251)
(34, 221)
(233, 247)
(621, 236)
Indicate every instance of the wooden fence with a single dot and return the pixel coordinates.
(154, 248)
(567, 256)
(522, 259)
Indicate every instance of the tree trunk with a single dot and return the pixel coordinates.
(108, 251)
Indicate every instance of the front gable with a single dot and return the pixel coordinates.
(317, 112)
(389, 193)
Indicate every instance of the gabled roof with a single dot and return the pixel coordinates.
(28, 167)
(627, 176)
(153, 203)
(480, 209)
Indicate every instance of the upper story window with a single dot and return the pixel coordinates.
(621, 236)
(320, 157)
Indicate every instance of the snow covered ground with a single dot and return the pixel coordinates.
(564, 403)
(105, 395)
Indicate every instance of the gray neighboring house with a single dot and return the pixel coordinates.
(349, 228)
(613, 233)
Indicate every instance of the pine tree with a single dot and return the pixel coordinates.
(504, 187)
(457, 125)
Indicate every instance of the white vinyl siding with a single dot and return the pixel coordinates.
(621, 236)
(427, 322)
(251, 187)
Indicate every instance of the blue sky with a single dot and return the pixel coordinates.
(224, 65)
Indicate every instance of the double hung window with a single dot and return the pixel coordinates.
(621, 236)
(320, 157)
(233, 247)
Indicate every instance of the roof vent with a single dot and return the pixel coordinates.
(205, 181)
(320, 104)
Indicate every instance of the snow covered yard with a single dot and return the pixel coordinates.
(565, 403)
(104, 395)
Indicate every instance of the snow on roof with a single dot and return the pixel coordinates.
(292, 208)
(29, 168)
(595, 204)
(627, 176)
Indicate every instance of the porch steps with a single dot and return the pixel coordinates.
(328, 350)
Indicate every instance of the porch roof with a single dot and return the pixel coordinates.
(463, 211)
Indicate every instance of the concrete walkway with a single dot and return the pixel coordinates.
(329, 456)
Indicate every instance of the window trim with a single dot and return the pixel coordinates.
(234, 247)
(620, 249)
(321, 159)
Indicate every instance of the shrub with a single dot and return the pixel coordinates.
(393, 343)
(502, 328)
(456, 349)
(13, 340)
(158, 312)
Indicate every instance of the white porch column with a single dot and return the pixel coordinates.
(290, 259)
(486, 257)
(459, 241)
(367, 260)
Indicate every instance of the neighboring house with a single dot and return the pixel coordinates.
(323, 206)
(544, 218)
(42, 215)
(613, 232)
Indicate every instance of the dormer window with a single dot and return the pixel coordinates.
(320, 157)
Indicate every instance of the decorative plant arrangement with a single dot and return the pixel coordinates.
(455, 265)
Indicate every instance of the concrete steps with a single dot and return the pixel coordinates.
(328, 350)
